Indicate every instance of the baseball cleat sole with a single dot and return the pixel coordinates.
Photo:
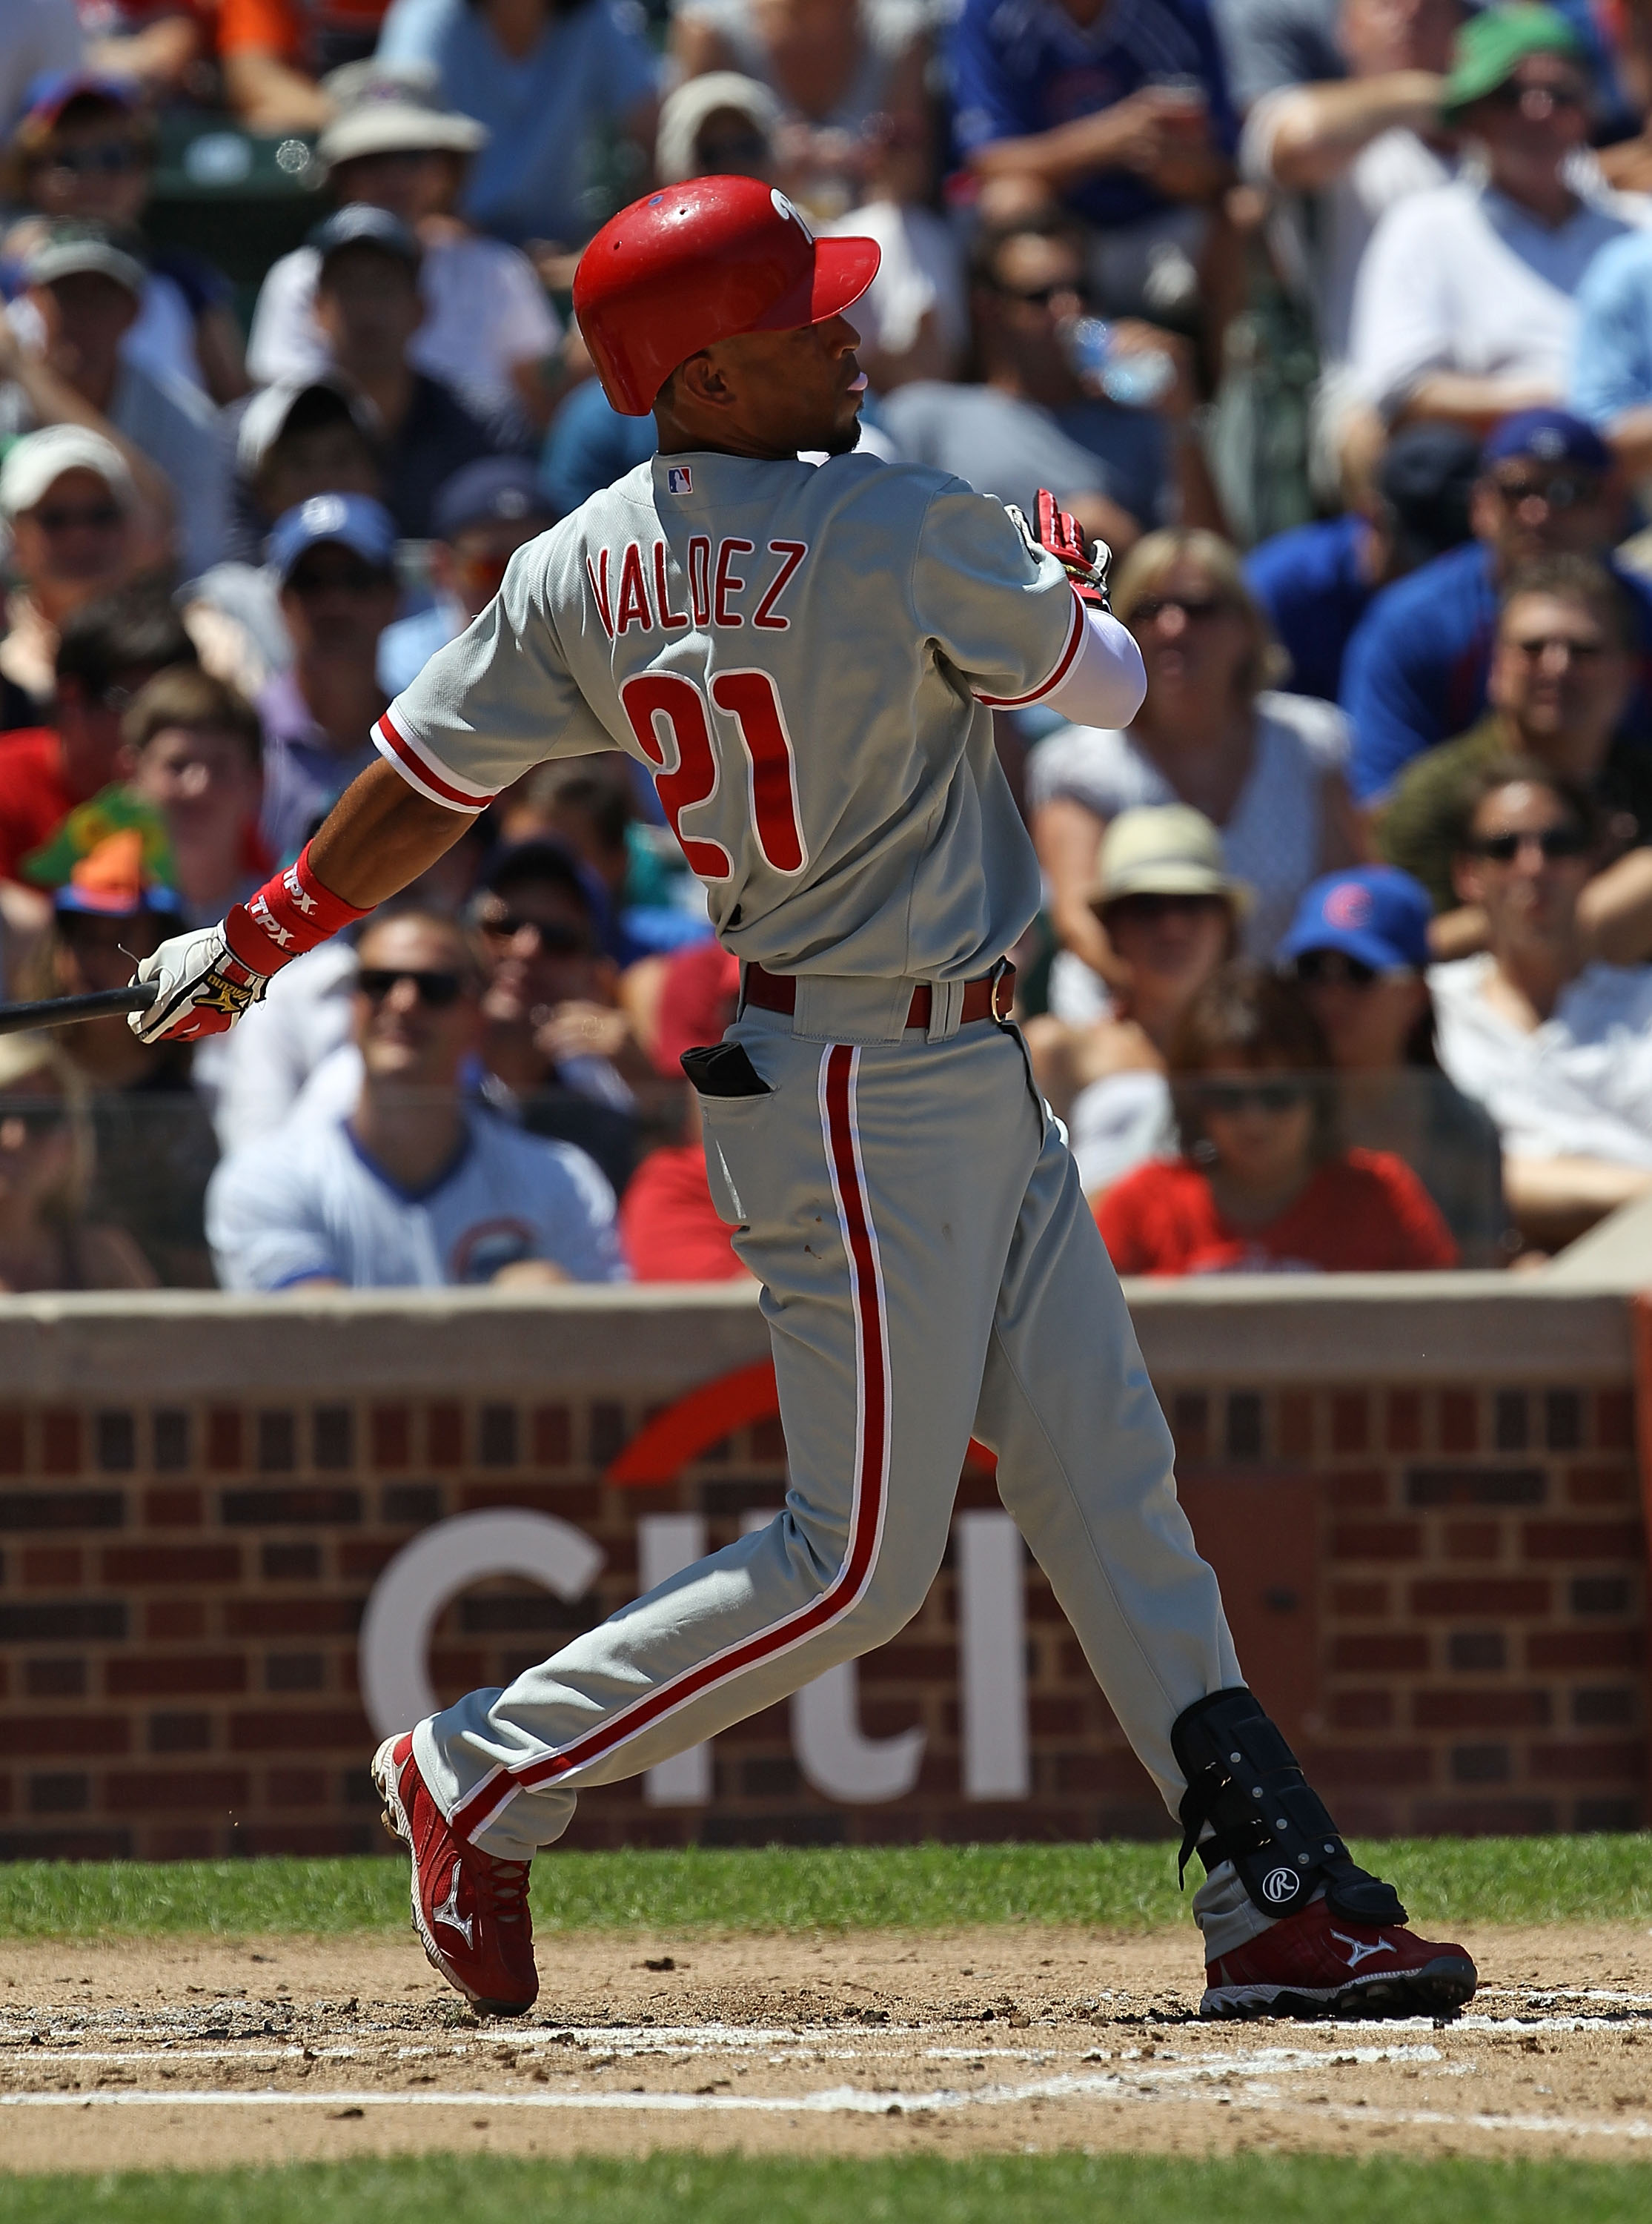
(1439, 1987)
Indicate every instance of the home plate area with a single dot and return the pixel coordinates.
(199, 2051)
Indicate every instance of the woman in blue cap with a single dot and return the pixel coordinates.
(1359, 947)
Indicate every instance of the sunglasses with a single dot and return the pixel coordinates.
(358, 581)
(35, 1120)
(115, 159)
(724, 153)
(1235, 1096)
(1040, 297)
(1514, 95)
(1560, 492)
(1192, 607)
(438, 991)
(1554, 841)
(1149, 910)
(101, 517)
(1580, 651)
(1335, 969)
(556, 939)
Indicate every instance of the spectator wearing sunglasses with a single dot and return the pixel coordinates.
(1172, 913)
(418, 1185)
(1031, 422)
(1557, 1045)
(1264, 767)
(1466, 303)
(85, 149)
(46, 1155)
(1562, 672)
(1262, 1183)
(334, 560)
(558, 1050)
(1415, 673)
(69, 509)
(481, 516)
(1358, 951)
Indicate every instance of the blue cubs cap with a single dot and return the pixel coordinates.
(355, 521)
(1375, 914)
(1553, 436)
(494, 491)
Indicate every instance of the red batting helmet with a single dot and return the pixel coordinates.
(699, 263)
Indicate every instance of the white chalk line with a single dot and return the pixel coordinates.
(1144, 2084)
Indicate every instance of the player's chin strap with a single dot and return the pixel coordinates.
(1244, 1782)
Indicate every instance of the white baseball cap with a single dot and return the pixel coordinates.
(1164, 849)
(35, 463)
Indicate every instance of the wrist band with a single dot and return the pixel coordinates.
(289, 914)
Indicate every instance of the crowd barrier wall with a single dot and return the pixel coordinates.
(240, 1536)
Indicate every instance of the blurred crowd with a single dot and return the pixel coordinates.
(1333, 317)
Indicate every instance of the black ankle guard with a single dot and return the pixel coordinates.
(1244, 1781)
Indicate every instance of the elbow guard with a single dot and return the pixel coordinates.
(1244, 1782)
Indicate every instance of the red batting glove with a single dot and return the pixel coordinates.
(1060, 535)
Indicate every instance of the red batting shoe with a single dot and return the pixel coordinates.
(1314, 1964)
(470, 1909)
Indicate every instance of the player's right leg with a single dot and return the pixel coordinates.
(1086, 1467)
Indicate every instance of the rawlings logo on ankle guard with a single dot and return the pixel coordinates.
(1248, 1803)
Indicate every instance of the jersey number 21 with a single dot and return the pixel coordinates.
(669, 714)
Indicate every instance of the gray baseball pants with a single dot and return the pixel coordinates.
(930, 1271)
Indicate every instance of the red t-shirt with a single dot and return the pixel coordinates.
(668, 1225)
(1365, 1212)
(34, 799)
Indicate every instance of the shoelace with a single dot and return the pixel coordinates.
(501, 1887)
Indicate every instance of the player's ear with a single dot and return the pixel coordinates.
(702, 379)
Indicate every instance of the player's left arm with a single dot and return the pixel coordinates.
(1020, 611)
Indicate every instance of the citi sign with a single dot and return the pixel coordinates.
(831, 1752)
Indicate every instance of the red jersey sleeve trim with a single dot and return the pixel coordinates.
(421, 768)
(1074, 636)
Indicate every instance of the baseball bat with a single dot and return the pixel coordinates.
(64, 1011)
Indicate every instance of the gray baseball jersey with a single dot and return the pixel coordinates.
(805, 657)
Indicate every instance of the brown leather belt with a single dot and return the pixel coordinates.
(988, 996)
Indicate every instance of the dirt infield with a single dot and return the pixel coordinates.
(201, 2052)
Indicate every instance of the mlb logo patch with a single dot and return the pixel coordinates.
(679, 479)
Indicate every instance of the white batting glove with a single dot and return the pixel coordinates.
(205, 988)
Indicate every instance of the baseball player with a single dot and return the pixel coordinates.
(806, 657)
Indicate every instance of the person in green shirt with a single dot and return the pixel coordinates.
(1562, 670)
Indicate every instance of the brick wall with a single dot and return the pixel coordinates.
(1438, 1584)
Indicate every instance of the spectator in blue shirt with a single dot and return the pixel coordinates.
(1612, 361)
(544, 94)
(1316, 581)
(1123, 112)
(1414, 672)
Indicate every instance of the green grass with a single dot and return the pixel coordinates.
(782, 1888)
(1011, 2190)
